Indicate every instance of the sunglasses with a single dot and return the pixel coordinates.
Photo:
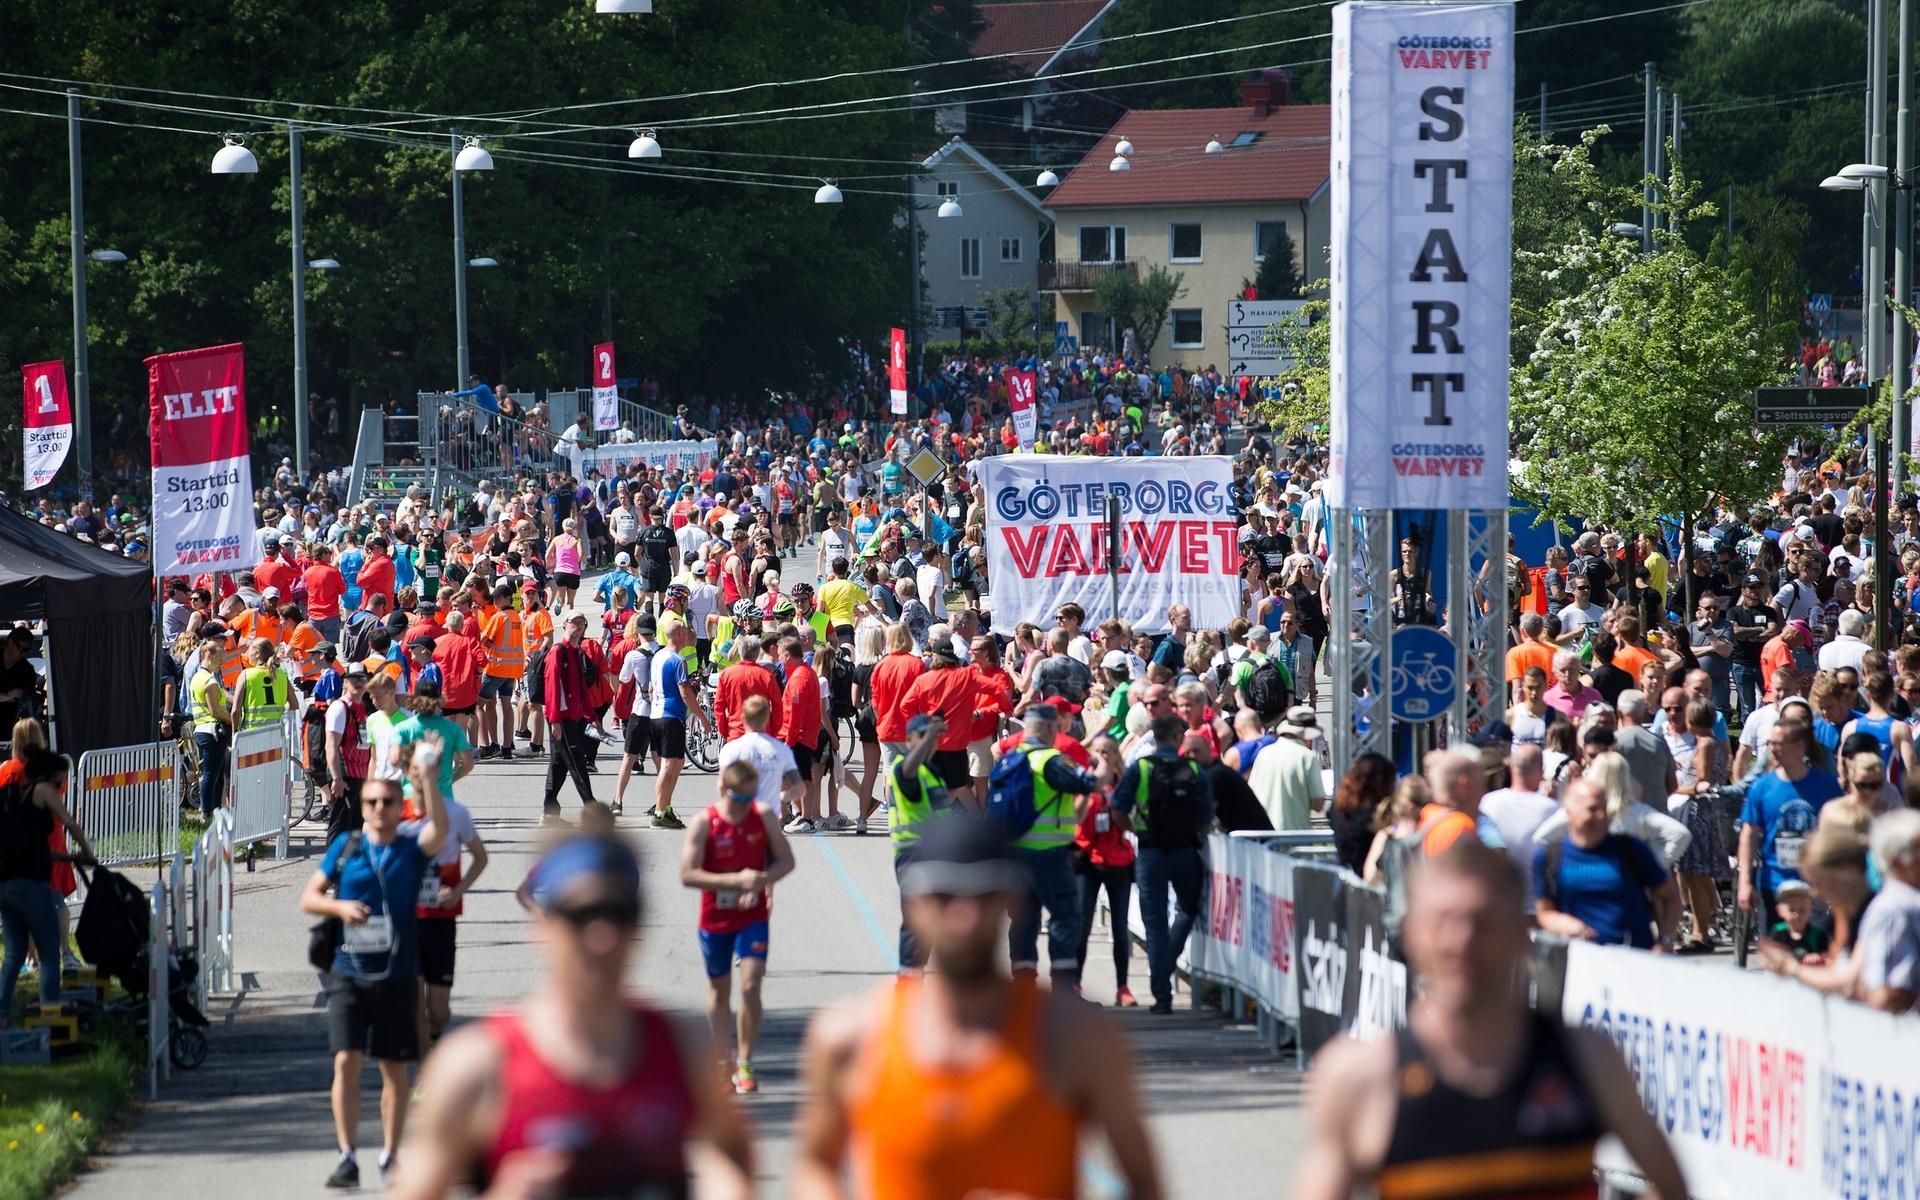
(381, 801)
(624, 913)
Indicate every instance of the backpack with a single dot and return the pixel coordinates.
(356, 636)
(1266, 690)
(1168, 798)
(840, 683)
(536, 676)
(1010, 793)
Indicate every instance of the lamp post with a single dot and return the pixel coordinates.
(301, 457)
(82, 378)
(1902, 252)
(467, 156)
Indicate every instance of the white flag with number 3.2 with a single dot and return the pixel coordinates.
(47, 423)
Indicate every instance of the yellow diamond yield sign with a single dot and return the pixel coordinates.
(926, 467)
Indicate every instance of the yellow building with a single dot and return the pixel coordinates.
(1204, 192)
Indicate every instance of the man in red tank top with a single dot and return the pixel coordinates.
(734, 858)
(579, 1091)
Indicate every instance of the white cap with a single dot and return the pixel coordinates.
(623, 559)
(272, 593)
(1115, 660)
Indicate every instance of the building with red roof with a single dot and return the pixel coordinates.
(1204, 192)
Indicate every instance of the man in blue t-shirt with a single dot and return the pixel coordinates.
(1782, 809)
(372, 985)
(1601, 886)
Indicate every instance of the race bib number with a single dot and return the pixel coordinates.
(1103, 823)
(1786, 850)
(372, 936)
(430, 571)
(429, 891)
(727, 898)
(363, 738)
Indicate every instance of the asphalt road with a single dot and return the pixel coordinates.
(254, 1120)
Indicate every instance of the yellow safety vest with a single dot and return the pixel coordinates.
(263, 696)
(1054, 827)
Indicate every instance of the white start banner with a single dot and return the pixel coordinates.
(684, 456)
(203, 516)
(1765, 1088)
(1421, 248)
(1245, 936)
(1048, 541)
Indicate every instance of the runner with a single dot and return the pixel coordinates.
(733, 857)
(443, 891)
(1478, 1096)
(675, 703)
(372, 980)
(1003, 1076)
(580, 1090)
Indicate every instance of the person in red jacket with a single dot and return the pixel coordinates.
(1101, 840)
(376, 573)
(569, 707)
(462, 657)
(948, 687)
(887, 685)
(800, 730)
(277, 570)
(744, 678)
(325, 587)
(993, 700)
(1070, 747)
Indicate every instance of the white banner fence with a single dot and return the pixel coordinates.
(262, 783)
(212, 873)
(126, 800)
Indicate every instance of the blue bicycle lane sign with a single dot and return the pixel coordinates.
(1426, 673)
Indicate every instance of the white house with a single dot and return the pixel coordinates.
(992, 242)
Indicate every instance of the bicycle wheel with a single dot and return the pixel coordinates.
(187, 1047)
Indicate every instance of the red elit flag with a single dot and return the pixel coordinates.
(897, 372)
(47, 421)
(202, 478)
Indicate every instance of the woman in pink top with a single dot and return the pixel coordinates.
(563, 559)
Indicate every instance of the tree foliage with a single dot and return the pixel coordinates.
(1011, 312)
(728, 285)
(1634, 399)
(1139, 303)
(1278, 277)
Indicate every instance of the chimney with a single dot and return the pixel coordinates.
(1256, 92)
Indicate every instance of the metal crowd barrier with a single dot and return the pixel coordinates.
(212, 873)
(159, 1032)
(127, 802)
(262, 786)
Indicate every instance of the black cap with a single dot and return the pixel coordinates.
(1758, 581)
(963, 856)
(427, 689)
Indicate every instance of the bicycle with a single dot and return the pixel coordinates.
(1423, 674)
(703, 737)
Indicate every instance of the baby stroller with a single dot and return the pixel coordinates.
(113, 937)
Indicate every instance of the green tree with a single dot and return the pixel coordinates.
(1010, 312)
(1278, 278)
(1140, 303)
(1634, 400)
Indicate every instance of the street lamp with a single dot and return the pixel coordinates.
(473, 157)
(1214, 146)
(1625, 229)
(644, 145)
(826, 193)
(950, 207)
(106, 256)
(324, 264)
(1119, 163)
(1123, 148)
(1047, 179)
(468, 155)
(1840, 183)
(620, 7)
(234, 158)
(482, 262)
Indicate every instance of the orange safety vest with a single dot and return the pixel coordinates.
(506, 646)
(536, 625)
(233, 660)
(300, 643)
(254, 623)
(377, 664)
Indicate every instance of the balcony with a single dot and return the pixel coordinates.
(1080, 276)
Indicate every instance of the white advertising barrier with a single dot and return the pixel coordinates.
(1422, 242)
(684, 455)
(212, 872)
(261, 777)
(1047, 542)
(1764, 1087)
(1245, 938)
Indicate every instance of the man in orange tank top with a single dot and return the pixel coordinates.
(1000, 1074)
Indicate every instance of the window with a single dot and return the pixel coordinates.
(1265, 234)
(1188, 332)
(1184, 244)
(1010, 249)
(1103, 243)
(1245, 138)
(945, 188)
(969, 258)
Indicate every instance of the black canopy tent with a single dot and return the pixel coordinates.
(99, 613)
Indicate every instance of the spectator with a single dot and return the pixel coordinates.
(1710, 637)
(1889, 944)
(1781, 810)
(1848, 647)
(1286, 778)
(1648, 758)
(1453, 809)
(1834, 862)
(1169, 803)
(1234, 804)
(1628, 814)
(1366, 786)
(1571, 696)
(1519, 809)
(1060, 673)
(1104, 859)
(746, 677)
(1600, 886)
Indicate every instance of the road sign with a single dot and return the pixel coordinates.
(1426, 673)
(1820, 304)
(1248, 351)
(926, 467)
(1808, 405)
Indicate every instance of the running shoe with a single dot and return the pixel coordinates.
(743, 1079)
(528, 752)
(389, 1163)
(860, 827)
(800, 825)
(1124, 998)
(838, 822)
(667, 820)
(346, 1176)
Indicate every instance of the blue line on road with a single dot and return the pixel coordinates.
(1103, 1181)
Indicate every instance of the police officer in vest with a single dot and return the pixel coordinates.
(919, 795)
(1045, 852)
(263, 693)
(207, 708)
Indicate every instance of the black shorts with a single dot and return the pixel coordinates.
(670, 737)
(863, 729)
(380, 1019)
(465, 710)
(803, 758)
(820, 516)
(952, 768)
(658, 578)
(565, 581)
(639, 734)
(436, 949)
